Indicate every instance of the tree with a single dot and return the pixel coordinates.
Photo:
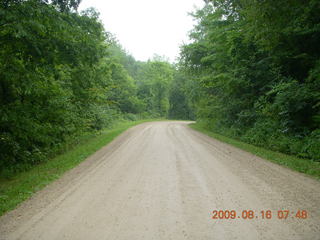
(256, 63)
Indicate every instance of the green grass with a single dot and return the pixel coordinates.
(302, 165)
(21, 186)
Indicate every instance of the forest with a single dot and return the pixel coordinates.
(255, 66)
(250, 72)
(62, 74)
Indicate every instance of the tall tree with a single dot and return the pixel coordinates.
(256, 63)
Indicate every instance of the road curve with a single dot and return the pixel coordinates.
(163, 180)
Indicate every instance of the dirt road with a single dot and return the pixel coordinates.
(163, 180)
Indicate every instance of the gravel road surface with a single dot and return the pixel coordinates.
(163, 180)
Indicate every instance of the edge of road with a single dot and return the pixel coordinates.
(22, 186)
(302, 165)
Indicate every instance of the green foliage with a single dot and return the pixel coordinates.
(62, 76)
(153, 80)
(257, 67)
(180, 107)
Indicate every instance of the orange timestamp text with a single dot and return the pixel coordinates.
(263, 214)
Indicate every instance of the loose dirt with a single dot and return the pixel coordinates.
(163, 180)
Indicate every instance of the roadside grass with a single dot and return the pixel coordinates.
(21, 186)
(307, 166)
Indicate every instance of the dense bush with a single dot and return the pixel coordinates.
(62, 75)
(257, 67)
